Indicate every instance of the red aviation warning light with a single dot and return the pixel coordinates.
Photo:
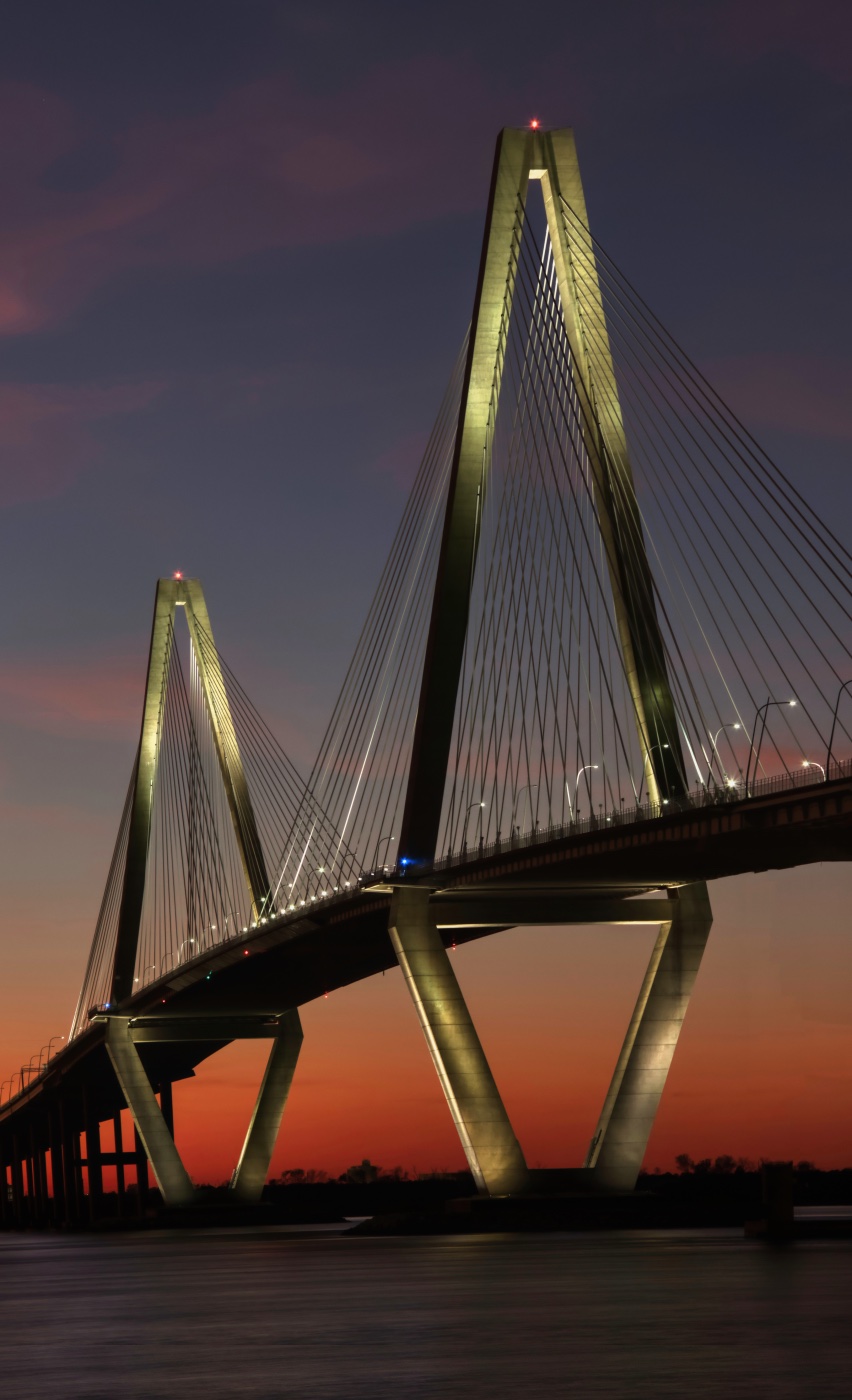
(177, 574)
(535, 124)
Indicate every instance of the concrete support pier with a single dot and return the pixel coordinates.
(492, 1150)
(619, 1144)
(250, 1175)
(174, 1183)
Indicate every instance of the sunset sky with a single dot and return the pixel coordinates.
(238, 248)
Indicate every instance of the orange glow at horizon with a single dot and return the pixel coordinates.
(761, 1069)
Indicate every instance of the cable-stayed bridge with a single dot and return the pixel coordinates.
(608, 659)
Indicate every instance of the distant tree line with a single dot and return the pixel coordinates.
(364, 1172)
(725, 1165)
(361, 1174)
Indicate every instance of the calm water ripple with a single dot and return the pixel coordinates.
(227, 1314)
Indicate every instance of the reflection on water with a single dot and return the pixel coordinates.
(226, 1314)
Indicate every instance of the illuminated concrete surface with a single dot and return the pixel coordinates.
(252, 1169)
(174, 1183)
(625, 1124)
(492, 1150)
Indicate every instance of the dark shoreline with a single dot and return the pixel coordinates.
(560, 1201)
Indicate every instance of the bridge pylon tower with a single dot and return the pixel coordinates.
(155, 1132)
(548, 158)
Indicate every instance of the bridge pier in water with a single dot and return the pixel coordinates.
(249, 1178)
(148, 1117)
(624, 1127)
(492, 1150)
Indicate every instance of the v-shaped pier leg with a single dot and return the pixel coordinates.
(250, 1175)
(175, 1186)
(625, 1124)
(492, 1150)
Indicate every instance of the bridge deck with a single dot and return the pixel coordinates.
(570, 878)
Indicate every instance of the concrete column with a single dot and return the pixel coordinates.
(492, 1150)
(5, 1213)
(119, 1162)
(253, 1167)
(42, 1194)
(38, 1176)
(167, 1106)
(618, 1147)
(142, 1182)
(70, 1169)
(175, 1186)
(34, 1180)
(94, 1172)
(57, 1176)
(18, 1203)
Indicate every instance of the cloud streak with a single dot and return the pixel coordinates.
(101, 696)
(268, 166)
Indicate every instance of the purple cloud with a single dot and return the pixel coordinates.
(268, 166)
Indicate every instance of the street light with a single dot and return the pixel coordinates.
(756, 751)
(473, 806)
(809, 763)
(584, 769)
(713, 738)
(382, 841)
(530, 788)
(844, 686)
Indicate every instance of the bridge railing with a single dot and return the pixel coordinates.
(708, 795)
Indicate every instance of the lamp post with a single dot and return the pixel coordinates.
(382, 841)
(713, 738)
(50, 1045)
(756, 751)
(809, 763)
(585, 768)
(844, 686)
(473, 806)
(530, 788)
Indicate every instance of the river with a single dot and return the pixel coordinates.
(227, 1313)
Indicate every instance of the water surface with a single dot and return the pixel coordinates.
(224, 1314)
